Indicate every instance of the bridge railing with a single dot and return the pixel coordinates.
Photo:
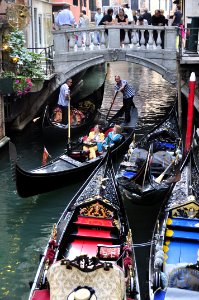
(108, 37)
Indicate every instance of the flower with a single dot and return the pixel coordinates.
(22, 85)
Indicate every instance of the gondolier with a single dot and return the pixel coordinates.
(128, 94)
(63, 99)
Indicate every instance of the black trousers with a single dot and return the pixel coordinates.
(127, 104)
(126, 109)
(64, 114)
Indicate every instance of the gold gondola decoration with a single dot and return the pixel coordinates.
(18, 15)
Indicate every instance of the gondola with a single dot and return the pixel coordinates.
(142, 175)
(90, 251)
(174, 257)
(66, 169)
(83, 114)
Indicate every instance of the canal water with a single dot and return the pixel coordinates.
(26, 224)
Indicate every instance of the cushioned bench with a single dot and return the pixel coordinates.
(182, 234)
(183, 222)
(94, 221)
(89, 233)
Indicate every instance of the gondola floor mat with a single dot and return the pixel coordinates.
(80, 247)
(91, 233)
(94, 222)
(181, 251)
(71, 160)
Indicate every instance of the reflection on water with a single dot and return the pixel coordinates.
(26, 223)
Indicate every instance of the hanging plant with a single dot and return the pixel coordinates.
(27, 64)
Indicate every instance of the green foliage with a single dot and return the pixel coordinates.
(28, 63)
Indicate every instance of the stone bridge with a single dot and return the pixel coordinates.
(71, 55)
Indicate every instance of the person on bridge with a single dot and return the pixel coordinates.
(64, 95)
(128, 94)
(65, 18)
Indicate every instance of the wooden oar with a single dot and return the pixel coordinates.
(161, 176)
(111, 105)
(147, 163)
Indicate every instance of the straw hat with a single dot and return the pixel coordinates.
(81, 294)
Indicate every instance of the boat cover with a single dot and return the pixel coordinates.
(109, 285)
(180, 294)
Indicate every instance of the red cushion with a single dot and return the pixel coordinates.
(107, 131)
(94, 221)
(41, 295)
(109, 252)
(104, 234)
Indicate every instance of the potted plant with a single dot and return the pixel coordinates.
(26, 64)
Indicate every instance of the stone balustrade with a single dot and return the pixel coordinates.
(77, 49)
(87, 39)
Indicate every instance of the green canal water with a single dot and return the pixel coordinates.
(26, 224)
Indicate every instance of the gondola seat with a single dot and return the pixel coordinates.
(41, 295)
(93, 234)
(182, 234)
(90, 221)
(107, 284)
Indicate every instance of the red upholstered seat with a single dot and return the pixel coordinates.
(94, 221)
(107, 131)
(41, 295)
(88, 247)
(84, 232)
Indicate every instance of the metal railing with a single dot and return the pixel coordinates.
(188, 42)
(47, 58)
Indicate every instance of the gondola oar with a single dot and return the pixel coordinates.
(111, 105)
(68, 146)
(147, 164)
(161, 176)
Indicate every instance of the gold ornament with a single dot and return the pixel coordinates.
(5, 47)
(18, 15)
(15, 59)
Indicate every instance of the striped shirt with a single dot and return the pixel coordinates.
(128, 89)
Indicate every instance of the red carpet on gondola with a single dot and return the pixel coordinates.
(89, 247)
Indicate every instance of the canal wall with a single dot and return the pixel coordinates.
(3, 138)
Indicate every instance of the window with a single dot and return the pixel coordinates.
(75, 2)
(84, 3)
(92, 5)
(105, 2)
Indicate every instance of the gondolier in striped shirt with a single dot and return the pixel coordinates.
(128, 94)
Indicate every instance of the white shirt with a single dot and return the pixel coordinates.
(63, 95)
(65, 17)
(98, 18)
(128, 12)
